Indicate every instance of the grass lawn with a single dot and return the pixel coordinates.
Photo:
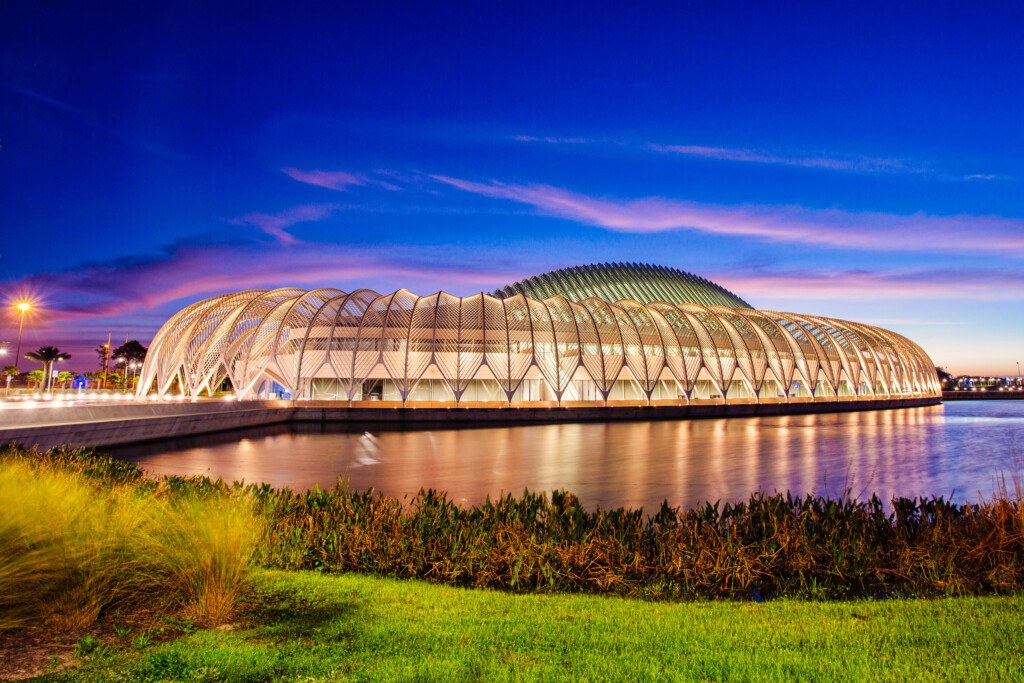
(307, 626)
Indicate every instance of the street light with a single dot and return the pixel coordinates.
(22, 306)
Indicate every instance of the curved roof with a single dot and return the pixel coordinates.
(614, 281)
(293, 337)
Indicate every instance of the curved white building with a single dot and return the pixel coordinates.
(692, 341)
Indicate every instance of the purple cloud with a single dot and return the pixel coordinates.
(338, 180)
(137, 285)
(985, 285)
(858, 164)
(332, 180)
(275, 224)
(836, 228)
(551, 140)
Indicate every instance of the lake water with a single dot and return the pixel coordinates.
(957, 450)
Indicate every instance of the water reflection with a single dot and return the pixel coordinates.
(954, 449)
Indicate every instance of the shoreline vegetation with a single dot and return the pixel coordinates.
(84, 537)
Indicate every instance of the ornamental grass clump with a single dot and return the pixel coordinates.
(65, 551)
(78, 535)
(199, 550)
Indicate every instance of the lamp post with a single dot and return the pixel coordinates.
(106, 361)
(22, 306)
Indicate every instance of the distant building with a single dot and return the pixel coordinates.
(573, 335)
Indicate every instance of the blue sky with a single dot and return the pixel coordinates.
(861, 163)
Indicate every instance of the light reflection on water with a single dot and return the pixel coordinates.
(954, 449)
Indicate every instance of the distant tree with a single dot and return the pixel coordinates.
(47, 355)
(943, 375)
(133, 351)
(37, 377)
(65, 378)
(128, 353)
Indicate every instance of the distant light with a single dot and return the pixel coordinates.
(24, 306)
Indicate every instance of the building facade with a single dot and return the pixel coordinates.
(574, 345)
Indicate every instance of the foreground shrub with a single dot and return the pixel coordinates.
(770, 545)
(77, 535)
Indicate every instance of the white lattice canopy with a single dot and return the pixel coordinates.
(361, 345)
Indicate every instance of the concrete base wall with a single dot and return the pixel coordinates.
(47, 426)
(982, 395)
(548, 415)
(110, 425)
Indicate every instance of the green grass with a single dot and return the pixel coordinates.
(308, 626)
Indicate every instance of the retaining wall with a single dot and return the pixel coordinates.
(45, 426)
(982, 395)
(104, 424)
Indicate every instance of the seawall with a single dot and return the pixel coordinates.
(104, 424)
(982, 395)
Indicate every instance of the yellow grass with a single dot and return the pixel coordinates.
(70, 548)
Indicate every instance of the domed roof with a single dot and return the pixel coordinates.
(615, 281)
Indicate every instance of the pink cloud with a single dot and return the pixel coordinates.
(982, 285)
(837, 228)
(551, 140)
(142, 286)
(835, 163)
(332, 180)
(338, 180)
(275, 224)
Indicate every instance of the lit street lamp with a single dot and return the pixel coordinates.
(22, 306)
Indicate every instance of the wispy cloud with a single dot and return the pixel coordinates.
(134, 292)
(836, 228)
(333, 180)
(551, 140)
(129, 139)
(43, 98)
(337, 180)
(275, 224)
(829, 161)
(851, 284)
(858, 164)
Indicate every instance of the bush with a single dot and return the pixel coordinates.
(770, 545)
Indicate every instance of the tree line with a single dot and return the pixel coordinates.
(116, 367)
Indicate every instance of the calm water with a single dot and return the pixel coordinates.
(956, 449)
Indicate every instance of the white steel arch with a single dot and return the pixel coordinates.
(292, 341)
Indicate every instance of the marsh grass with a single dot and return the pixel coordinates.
(74, 542)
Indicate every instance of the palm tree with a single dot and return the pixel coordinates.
(47, 355)
(9, 372)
